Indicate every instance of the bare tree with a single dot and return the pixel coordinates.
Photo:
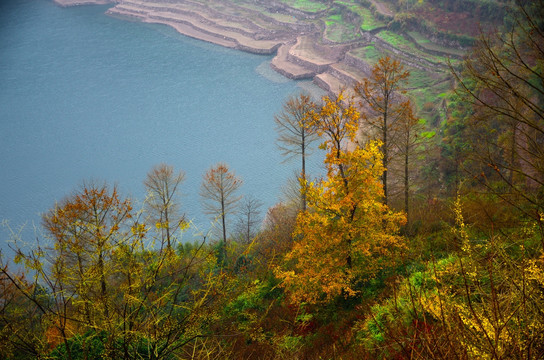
(383, 106)
(249, 218)
(504, 81)
(218, 192)
(408, 140)
(290, 191)
(163, 203)
(294, 132)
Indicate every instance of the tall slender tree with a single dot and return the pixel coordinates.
(249, 218)
(295, 135)
(408, 140)
(162, 185)
(337, 123)
(219, 198)
(383, 106)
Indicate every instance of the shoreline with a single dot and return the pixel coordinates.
(67, 3)
(297, 54)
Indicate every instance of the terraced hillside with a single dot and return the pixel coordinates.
(335, 43)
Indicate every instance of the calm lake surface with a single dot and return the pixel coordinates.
(87, 96)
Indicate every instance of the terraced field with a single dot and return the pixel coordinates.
(306, 5)
(334, 43)
(424, 42)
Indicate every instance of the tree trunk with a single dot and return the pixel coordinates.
(103, 287)
(224, 245)
(406, 187)
(303, 148)
(167, 223)
(385, 161)
(81, 276)
(248, 227)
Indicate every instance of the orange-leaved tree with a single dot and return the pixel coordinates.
(85, 228)
(104, 289)
(347, 234)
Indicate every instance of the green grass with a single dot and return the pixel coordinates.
(333, 19)
(340, 31)
(430, 94)
(368, 53)
(428, 44)
(420, 78)
(396, 40)
(369, 22)
(402, 43)
(306, 5)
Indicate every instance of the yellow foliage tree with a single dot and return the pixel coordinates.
(347, 234)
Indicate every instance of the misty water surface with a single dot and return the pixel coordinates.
(87, 96)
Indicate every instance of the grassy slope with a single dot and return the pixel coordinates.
(346, 21)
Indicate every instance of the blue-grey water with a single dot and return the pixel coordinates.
(87, 96)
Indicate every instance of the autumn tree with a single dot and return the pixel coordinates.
(76, 277)
(347, 231)
(347, 235)
(295, 135)
(162, 185)
(219, 198)
(103, 291)
(337, 124)
(85, 228)
(383, 106)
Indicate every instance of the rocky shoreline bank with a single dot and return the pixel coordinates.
(66, 3)
(269, 27)
(294, 43)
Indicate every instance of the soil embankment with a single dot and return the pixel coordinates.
(295, 37)
(293, 40)
(82, 2)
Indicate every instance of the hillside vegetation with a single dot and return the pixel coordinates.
(425, 35)
(423, 240)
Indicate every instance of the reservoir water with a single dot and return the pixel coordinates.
(86, 96)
